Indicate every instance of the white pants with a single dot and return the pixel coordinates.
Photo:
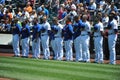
(36, 48)
(78, 50)
(111, 43)
(52, 42)
(25, 47)
(98, 44)
(15, 43)
(68, 49)
(85, 47)
(45, 46)
(58, 48)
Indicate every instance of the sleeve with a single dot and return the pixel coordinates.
(114, 25)
(107, 19)
(19, 27)
(48, 26)
(39, 28)
(101, 27)
(71, 29)
(89, 27)
(28, 27)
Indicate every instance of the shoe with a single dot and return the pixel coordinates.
(95, 62)
(112, 63)
(24, 56)
(16, 56)
(87, 61)
(101, 62)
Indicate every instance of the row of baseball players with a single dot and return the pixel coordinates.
(77, 34)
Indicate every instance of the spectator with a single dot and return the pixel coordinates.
(102, 3)
(92, 8)
(65, 12)
(2, 1)
(105, 20)
(112, 8)
(60, 12)
(55, 6)
(25, 14)
(32, 2)
(28, 7)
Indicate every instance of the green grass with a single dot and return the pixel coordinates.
(33, 69)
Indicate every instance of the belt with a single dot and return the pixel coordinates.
(44, 34)
(97, 36)
(57, 37)
(84, 34)
(110, 33)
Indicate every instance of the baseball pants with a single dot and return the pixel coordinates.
(45, 46)
(52, 42)
(25, 47)
(15, 43)
(78, 50)
(85, 47)
(98, 44)
(58, 48)
(111, 43)
(68, 49)
(36, 48)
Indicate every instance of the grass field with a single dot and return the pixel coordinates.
(34, 69)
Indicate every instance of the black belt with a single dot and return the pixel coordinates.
(110, 33)
(44, 34)
(84, 34)
(97, 36)
(57, 37)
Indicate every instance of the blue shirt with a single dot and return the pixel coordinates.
(46, 12)
(8, 27)
(17, 29)
(92, 6)
(51, 34)
(87, 1)
(36, 30)
(68, 32)
(64, 14)
(2, 1)
(1, 15)
(76, 28)
(25, 32)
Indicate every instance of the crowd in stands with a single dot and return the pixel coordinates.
(59, 8)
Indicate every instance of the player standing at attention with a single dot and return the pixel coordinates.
(45, 38)
(112, 36)
(36, 39)
(85, 37)
(16, 29)
(98, 40)
(58, 39)
(77, 39)
(25, 33)
(68, 39)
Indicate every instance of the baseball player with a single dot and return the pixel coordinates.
(52, 41)
(16, 29)
(58, 39)
(25, 33)
(98, 40)
(36, 39)
(85, 32)
(77, 45)
(45, 38)
(68, 39)
(112, 36)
